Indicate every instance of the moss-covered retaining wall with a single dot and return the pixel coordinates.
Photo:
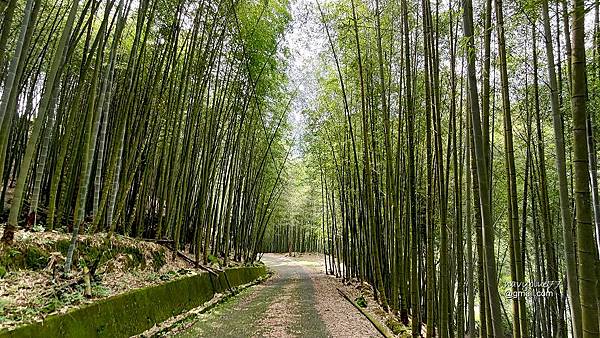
(134, 312)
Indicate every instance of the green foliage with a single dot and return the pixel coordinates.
(262, 24)
(2, 304)
(361, 301)
(158, 259)
(52, 305)
(35, 258)
(23, 257)
(136, 257)
(214, 260)
(297, 221)
(100, 290)
(38, 228)
(93, 253)
(62, 246)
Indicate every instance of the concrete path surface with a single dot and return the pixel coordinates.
(299, 300)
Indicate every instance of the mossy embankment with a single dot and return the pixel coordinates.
(33, 288)
(135, 311)
(32, 284)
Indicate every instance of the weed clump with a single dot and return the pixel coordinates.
(158, 259)
(19, 258)
(361, 301)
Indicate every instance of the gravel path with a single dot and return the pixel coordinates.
(299, 300)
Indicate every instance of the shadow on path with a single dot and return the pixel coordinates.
(283, 306)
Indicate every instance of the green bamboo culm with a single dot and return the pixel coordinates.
(587, 252)
(10, 87)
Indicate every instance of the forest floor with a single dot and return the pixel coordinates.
(299, 300)
(32, 285)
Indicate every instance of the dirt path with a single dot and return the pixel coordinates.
(299, 300)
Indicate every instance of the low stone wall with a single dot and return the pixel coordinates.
(138, 310)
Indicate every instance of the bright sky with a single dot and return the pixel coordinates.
(305, 40)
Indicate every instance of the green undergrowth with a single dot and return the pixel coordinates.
(23, 257)
(361, 301)
(215, 260)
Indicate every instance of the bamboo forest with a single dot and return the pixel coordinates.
(299, 168)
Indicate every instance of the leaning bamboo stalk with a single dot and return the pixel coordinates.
(382, 329)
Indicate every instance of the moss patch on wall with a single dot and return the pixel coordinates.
(136, 311)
